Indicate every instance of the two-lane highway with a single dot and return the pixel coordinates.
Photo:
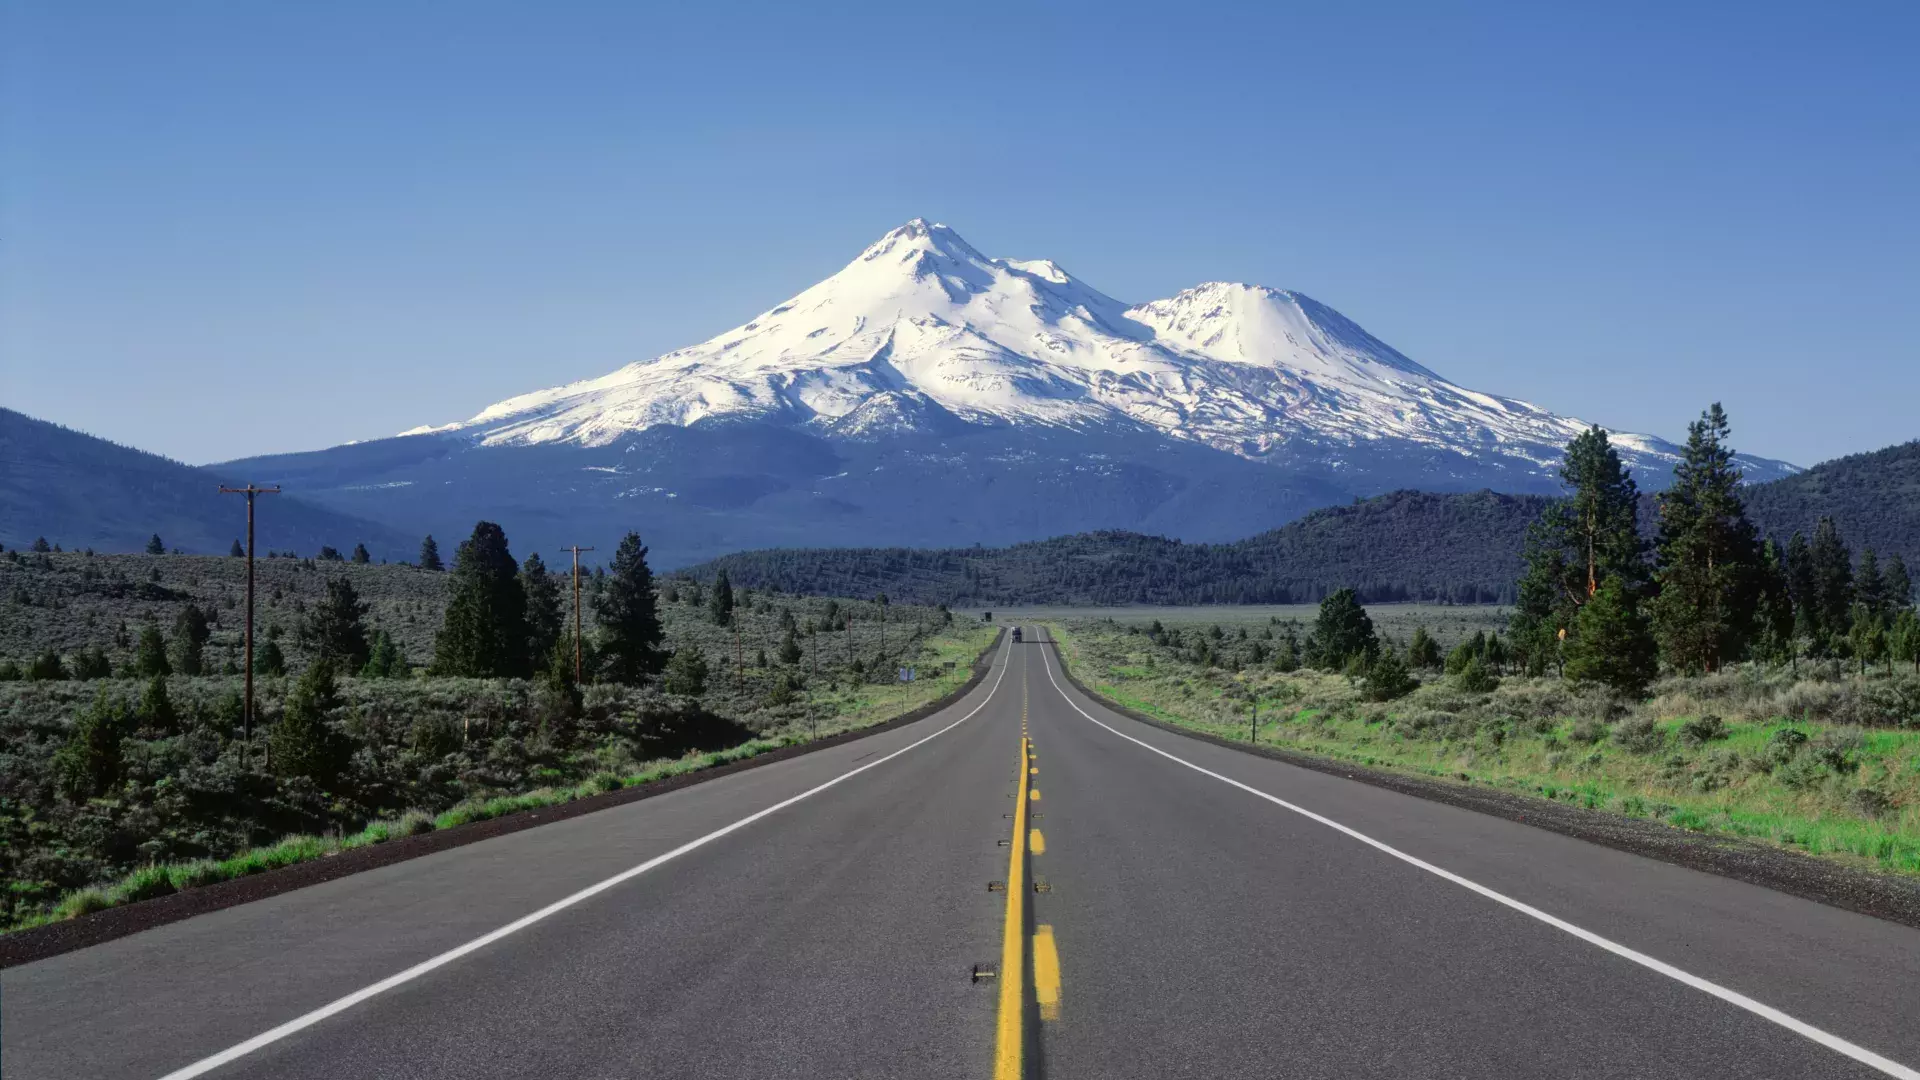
(1166, 908)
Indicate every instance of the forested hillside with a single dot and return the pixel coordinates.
(1407, 545)
(1875, 499)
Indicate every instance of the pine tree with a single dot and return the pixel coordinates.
(790, 648)
(40, 545)
(544, 619)
(1903, 638)
(1340, 632)
(92, 663)
(334, 629)
(1613, 644)
(150, 655)
(88, 764)
(303, 742)
(360, 554)
(1578, 543)
(156, 708)
(1831, 566)
(1423, 651)
(484, 633)
(430, 555)
(1708, 555)
(383, 658)
(236, 551)
(47, 667)
(1388, 678)
(190, 634)
(686, 673)
(1866, 635)
(329, 553)
(1899, 585)
(269, 659)
(721, 605)
(1801, 589)
(628, 614)
(154, 546)
(1869, 588)
(1774, 616)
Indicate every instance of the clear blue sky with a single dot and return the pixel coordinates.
(232, 228)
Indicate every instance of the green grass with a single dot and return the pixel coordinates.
(1520, 738)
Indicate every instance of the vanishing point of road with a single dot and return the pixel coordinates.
(1025, 884)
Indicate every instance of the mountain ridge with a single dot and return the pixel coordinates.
(1259, 372)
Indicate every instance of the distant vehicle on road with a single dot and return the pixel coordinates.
(1016, 634)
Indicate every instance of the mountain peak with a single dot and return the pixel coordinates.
(921, 235)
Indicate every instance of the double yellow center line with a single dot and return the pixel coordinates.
(1009, 1055)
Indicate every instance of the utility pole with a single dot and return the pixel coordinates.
(576, 549)
(246, 714)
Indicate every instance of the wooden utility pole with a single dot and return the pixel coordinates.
(246, 713)
(576, 549)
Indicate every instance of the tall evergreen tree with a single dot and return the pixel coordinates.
(1830, 563)
(334, 629)
(1341, 632)
(190, 634)
(544, 619)
(1899, 585)
(721, 606)
(1613, 644)
(236, 550)
(303, 743)
(484, 632)
(430, 555)
(1578, 543)
(150, 655)
(1869, 588)
(1773, 617)
(628, 614)
(361, 555)
(1423, 651)
(154, 546)
(1802, 590)
(1708, 555)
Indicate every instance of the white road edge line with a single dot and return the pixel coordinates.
(1732, 997)
(300, 1023)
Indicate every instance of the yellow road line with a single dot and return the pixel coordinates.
(1046, 973)
(1037, 842)
(1009, 1059)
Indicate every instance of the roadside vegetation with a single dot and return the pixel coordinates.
(1709, 679)
(390, 701)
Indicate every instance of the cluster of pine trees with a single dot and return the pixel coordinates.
(505, 620)
(1600, 604)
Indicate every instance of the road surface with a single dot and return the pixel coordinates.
(1206, 913)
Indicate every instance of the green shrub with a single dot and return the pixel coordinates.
(1701, 730)
(1869, 803)
(1588, 730)
(1474, 678)
(1640, 735)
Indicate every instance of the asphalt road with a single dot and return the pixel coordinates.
(823, 916)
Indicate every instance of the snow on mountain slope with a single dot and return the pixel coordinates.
(922, 332)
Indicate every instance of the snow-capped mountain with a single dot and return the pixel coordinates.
(928, 396)
(923, 333)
